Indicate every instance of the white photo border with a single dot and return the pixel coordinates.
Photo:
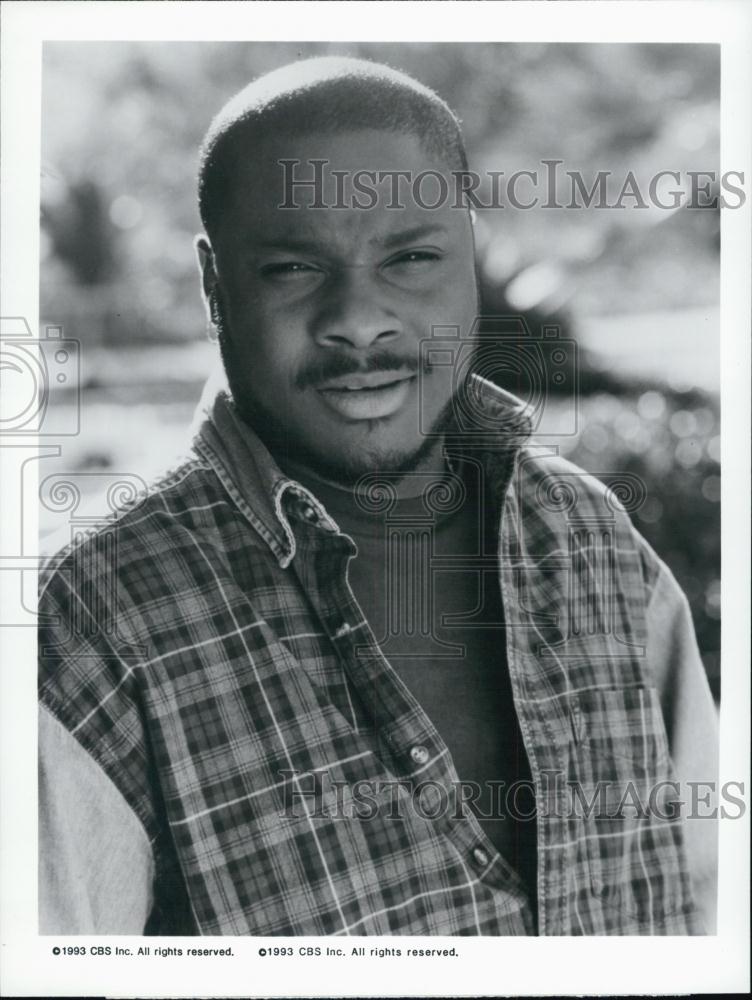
(487, 966)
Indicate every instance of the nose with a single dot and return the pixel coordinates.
(355, 313)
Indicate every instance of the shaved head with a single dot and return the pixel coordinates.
(324, 96)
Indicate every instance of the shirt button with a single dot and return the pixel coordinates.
(480, 857)
(308, 512)
(419, 755)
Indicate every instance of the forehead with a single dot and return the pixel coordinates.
(390, 173)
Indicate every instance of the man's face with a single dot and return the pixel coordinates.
(323, 309)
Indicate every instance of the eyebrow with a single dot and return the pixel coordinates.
(392, 240)
(416, 233)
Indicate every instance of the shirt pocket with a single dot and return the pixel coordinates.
(624, 795)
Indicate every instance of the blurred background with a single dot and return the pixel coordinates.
(637, 289)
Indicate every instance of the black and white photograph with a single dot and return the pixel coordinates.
(369, 476)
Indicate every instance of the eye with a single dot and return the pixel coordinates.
(287, 271)
(414, 260)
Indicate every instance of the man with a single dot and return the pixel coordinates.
(290, 690)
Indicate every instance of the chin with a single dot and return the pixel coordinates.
(350, 465)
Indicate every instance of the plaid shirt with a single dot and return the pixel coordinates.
(205, 650)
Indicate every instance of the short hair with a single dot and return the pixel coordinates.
(327, 94)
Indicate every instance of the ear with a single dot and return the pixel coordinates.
(206, 265)
(209, 282)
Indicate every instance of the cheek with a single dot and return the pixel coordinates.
(271, 365)
(268, 346)
(466, 289)
(455, 298)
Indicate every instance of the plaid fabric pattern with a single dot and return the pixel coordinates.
(205, 648)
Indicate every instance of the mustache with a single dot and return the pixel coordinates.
(329, 366)
(337, 365)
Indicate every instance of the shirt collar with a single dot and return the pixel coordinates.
(489, 419)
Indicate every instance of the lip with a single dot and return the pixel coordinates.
(367, 397)
(368, 380)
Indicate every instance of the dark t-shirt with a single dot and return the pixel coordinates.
(438, 619)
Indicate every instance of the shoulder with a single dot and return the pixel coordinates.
(112, 583)
(558, 484)
(143, 525)
(552, 491)
(120, 580)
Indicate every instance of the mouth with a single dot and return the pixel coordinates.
(367, 397)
